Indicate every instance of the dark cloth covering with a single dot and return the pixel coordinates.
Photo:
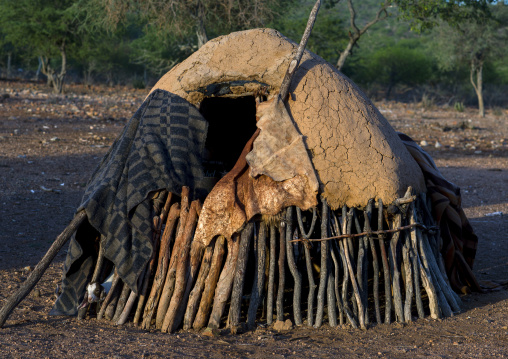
(160, 148)
(459, 240)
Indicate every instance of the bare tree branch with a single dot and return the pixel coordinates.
(356, 33)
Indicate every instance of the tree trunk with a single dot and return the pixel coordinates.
(477, 67)
(47, 70)
(347, 51)
(9, 61)
(200, 24)
(37, 73)
(88, 72)
(389, 89)
(60, 78)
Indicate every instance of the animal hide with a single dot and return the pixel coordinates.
(279, 151)
(238, 197)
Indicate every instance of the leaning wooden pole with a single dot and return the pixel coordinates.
(210, 284)
(323, 274)
(293, 268)
(293, 66)
(169, 283)
(162, 267)
(173, 315)
(259, 276)
(239, 279)
(197, 290)
(308, 263)
(225, 283)
(271, 277)
(41, 267)
(109, 296)
(279, 304)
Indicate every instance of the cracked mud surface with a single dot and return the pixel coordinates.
(49, 146)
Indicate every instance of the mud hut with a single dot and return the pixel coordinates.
(217, 195)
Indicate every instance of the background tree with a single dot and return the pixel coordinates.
(7, 50)
(402, 63)
(475, 42)
(183, 17)
(159, 52)
(101, 54)
(423, 14)
(134, 42)
(46, 29)
(356, 32)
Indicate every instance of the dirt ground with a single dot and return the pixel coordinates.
(49, 146)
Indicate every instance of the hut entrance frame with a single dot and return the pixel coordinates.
(231, 123)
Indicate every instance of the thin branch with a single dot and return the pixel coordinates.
(381, 15)
(474, 69)
(356, 33)
(352, 13)
(41, 267)
(368, 233)
(293, 65)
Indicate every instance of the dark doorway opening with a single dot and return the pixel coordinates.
(232, 122)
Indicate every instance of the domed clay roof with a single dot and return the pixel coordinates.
(356, 153)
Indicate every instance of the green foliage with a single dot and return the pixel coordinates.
(389, 33)
(39, 26)
(106, 55)
(167, 30)
(45, 29)
(199, 19)
(159, 52)
(474, 43)
(499, 70)
(117, 41)
(138, 84)
(426, 14)
(468, 41)
(402, 63)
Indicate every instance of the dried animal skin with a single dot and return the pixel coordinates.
(279, 151)
(238, 197)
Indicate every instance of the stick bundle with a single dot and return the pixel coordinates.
(340, 267)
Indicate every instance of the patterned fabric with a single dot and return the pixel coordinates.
(459, 240)
(160, 148)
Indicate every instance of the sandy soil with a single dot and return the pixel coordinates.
(49, 145)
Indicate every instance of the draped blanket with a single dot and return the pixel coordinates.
(459, 240)
(159, 148)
